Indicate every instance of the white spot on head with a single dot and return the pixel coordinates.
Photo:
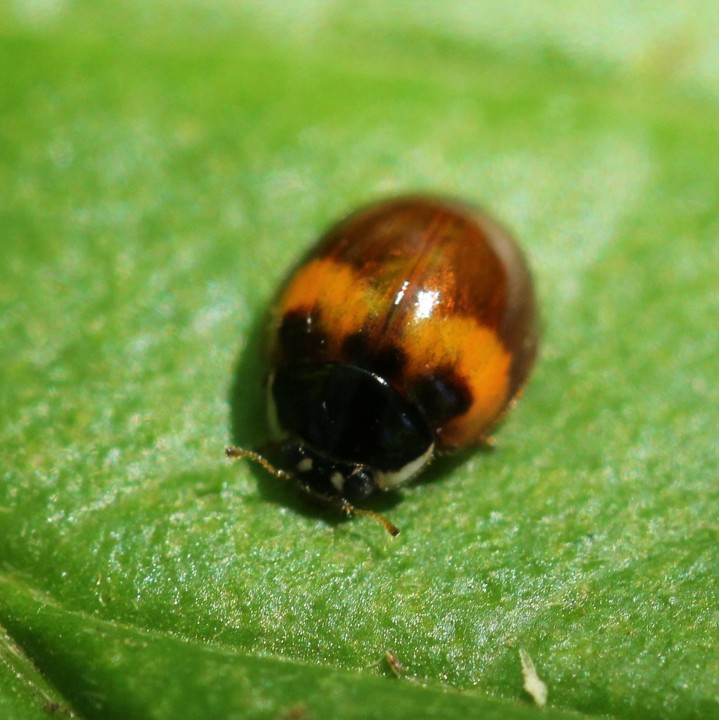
(391, 480)
(338, 481)
(304, 465)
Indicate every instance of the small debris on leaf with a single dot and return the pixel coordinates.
(534, 686)
(394, 664)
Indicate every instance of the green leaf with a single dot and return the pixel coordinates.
(162, 166)
(110, 670)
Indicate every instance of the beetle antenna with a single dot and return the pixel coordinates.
(351, 510)
(235, 453)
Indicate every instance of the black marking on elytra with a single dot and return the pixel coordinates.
(300, 335)
(356, 349)
(441, 395)
(388, 361)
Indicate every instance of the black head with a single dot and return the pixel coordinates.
(327, 478)
(358, 480)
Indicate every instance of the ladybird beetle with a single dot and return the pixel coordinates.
(406, 332)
